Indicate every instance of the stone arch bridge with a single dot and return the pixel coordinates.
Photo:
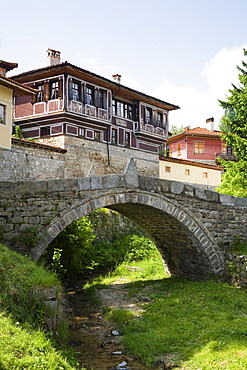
(191, 226)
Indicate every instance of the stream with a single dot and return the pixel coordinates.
(92, 337)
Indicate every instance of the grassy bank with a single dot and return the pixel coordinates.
(23, 342)
(190, 325)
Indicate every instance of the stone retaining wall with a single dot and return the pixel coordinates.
(30, 161)
(236, 270)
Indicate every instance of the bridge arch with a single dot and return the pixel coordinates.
(184, 242)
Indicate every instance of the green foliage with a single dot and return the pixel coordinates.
(189, 325)
(78, 252)
(23, 344)
(29, 237)
(18, 133)
(234, 180)
(69, 253)
(239, 246)
(19, 280)
(234, 128)
(175, 130)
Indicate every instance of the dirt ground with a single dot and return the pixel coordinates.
(92, 336)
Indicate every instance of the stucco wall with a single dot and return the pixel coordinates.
(6, 129)
(189, 174)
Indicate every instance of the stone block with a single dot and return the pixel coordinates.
(84, 183)
(96, 182)
(227, 199)
(177, 187)
(212, 196)
(113, 181)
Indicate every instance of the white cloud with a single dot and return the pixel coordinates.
(199, 104)
(107, 70)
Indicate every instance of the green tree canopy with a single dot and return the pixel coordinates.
(234, 128)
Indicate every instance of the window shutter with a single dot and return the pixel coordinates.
(83, 93)
(96, 98)
(46, 91)
(60, 89)
(105, 101)
(143, 115)
(34, 98)
(70, 89)
(154, 117)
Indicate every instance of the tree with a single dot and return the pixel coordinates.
(175, 130)
(234, 129)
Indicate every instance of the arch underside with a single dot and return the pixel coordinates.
(178, 246)
(184, 243)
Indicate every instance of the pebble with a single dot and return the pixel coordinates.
(115, 332)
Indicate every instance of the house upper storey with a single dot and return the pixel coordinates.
(74, 101)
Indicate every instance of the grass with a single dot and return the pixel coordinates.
(23, 343)
(193, 325)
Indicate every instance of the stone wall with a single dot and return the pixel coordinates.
(31, 161)
(236, 270)
(84, 155)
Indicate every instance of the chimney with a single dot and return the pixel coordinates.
(53, 57)
(117, 78)
(210, 120)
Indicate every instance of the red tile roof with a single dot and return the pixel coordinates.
(195, 131)
(18, 88)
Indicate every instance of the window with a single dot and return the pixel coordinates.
(102, 99)
(126, 139)
(114, 136)
(75, 91)
(205, 175)
(148, 117)
(187, 172)
(198, 147)
(97, 135)
(54, 90)
(2, 114)
(40, 94)
(159, 119)
(81, 132)
(179, 149)
(168, 169)
(128, 111)
(122, 109)
(89, 96)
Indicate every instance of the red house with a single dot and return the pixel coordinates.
(199, 144)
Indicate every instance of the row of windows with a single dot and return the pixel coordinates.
(122, 109)
(187, 172)
(149, 117)
(88, 95)
(49, 91)
(96, 97)
(198, 147)
(2, 114)
(114, 137)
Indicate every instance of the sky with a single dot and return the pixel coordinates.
(184, 52)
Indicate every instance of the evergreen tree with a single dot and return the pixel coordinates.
(234, 128)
